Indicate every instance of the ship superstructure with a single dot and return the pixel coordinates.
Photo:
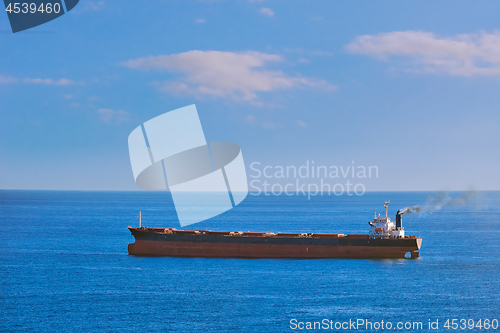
(383, 227)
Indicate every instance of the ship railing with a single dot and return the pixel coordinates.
(258, 234)
(361, 236)
(327, 235)
(287, 234)
(217, 233)
(188, 232)
(162, 230)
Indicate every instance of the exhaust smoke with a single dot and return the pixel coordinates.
(438, 201)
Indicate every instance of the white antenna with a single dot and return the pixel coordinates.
(139, 219)
(386, 204)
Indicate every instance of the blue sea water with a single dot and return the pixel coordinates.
(64, 266)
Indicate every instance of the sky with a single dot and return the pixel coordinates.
(411, 87)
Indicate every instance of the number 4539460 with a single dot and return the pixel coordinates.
(33, 8)
(463, 324)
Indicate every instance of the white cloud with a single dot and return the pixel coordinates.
(267, 11)
(7, 79)
(237, 76)
(464, 55)
(200, 21)
(118, 116)
(250, 119)
(267, 124)
(301, 123)
(98, 5)
(60, 82)
(11, 80)
(88, 6)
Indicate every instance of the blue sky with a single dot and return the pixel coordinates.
(410, 86)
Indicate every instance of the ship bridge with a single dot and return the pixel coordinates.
(383, 227)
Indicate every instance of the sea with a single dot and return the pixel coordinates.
(64, 267)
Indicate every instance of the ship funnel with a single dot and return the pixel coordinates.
(399, 221)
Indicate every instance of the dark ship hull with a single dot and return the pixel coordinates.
(185, 243)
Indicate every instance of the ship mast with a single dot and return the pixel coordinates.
(139, 219)
(386, 204)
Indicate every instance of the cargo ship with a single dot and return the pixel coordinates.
(386, 239)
